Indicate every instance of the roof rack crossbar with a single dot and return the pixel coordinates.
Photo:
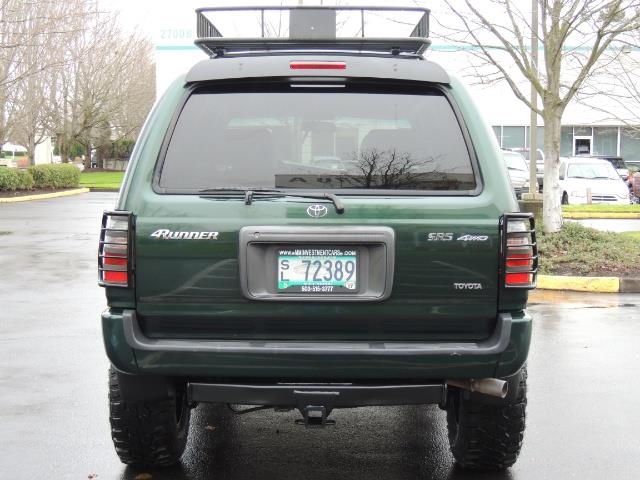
(322, 39)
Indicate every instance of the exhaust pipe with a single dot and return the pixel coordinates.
(488, 386)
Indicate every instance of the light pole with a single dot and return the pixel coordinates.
(533, 129)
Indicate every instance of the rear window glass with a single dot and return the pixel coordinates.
(336, 138)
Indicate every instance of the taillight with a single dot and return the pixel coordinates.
(115, 252)
(519, 250)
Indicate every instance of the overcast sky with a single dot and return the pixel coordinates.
(171, 25)
(151, 16)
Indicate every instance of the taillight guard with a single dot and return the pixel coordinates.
(519, 251)
(115, 252)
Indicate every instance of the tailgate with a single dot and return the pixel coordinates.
(435, 279)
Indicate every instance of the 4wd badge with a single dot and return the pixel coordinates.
(169, 235)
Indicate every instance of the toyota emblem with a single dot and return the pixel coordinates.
(316, 211)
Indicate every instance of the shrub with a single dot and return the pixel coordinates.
(55, 176)
(25, 180)
(9, 179)
(13, 179)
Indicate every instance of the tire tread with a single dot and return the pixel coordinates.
(146, 434)
(488, 437)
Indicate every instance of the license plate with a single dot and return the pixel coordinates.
(318, 270)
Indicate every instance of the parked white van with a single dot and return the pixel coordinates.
(589, 180)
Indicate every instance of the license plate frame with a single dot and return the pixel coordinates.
(323, 270)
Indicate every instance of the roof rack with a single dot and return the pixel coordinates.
(317, 29)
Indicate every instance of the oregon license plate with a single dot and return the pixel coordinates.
(318, 270)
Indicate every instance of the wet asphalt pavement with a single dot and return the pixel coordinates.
(583, 416)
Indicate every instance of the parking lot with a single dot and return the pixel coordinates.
(583, 419)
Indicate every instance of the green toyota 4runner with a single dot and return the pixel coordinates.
(315, 222)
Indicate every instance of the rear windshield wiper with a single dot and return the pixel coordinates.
(249, 193)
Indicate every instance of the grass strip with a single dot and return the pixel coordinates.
(632, 236)
(601, 208)
(106, 180)
(580, 250)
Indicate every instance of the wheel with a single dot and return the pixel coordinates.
(486, 436)
(147, 433)
(565, 199)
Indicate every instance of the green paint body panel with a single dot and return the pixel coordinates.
(186, 289)
(120, 354)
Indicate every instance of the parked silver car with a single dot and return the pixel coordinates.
(539, 162)
(518, 171)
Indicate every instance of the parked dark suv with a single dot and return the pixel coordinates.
(317, 222)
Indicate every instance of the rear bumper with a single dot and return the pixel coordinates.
(328, 395)
(501, 354)
(597, 199)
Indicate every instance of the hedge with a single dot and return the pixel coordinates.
(13, 179)
(9, 178)
(26, 180)
(55, 176)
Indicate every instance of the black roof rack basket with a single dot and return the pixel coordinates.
(313, 29)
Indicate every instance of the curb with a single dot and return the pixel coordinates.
(596, 215)
(44, 196)
(589, 284)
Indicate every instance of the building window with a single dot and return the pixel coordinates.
(513, 137)
(605, 141)
(630, 145)
(566, 141)
(498, 132)
(540, 140)
(582, 131)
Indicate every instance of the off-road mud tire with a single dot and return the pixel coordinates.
(147, 433)
(484, 436)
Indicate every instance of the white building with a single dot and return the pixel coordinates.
(43, 153)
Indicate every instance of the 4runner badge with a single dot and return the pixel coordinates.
(169, 235)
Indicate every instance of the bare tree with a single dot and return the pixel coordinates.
(31, 87)
(574, 34)
(385, 169)
(106, 92)
(67, 68)
(30, 31)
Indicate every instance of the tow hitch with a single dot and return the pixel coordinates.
(314, 417)
(315, 406)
